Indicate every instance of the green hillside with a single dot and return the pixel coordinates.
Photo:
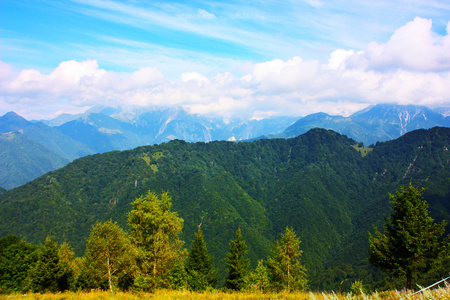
(318, 183)
(22, 159)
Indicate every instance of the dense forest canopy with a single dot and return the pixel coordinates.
(317, 183)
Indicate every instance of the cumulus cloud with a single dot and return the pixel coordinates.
(413, 47)
(412, 67)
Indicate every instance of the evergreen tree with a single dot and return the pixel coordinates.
(67, 264)
(155, 233)
(237, 263)
(109, 257)
(259, 278)
(49, 274)
(286, 271)
(411, 242)
(199, 265)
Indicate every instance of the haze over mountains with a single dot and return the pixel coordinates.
(30, 149)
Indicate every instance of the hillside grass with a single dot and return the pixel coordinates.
(438, 293)
(363, 150)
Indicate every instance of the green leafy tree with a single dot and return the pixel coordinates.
(412, 241)
(286, 271)
(237, 263)
(110, 257)
(17, 258)
(199, 263)
(155, 233)
(50, 274)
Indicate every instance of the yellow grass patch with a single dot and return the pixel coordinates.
(440, 293)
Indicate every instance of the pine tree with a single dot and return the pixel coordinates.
(50, 274)
(259, 278)
(66, 262)
(286, 271)
(155, 233)
(237, 263)
(411, 242)
(199, 265)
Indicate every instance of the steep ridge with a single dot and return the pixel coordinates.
(22, 159)
(12, 122)
(56, 141)
(378, 123)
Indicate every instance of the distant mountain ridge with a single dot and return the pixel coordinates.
(29, 150)
(105, 129)
(379, 123)
(12, 122)
(22, 159)
(102, 129)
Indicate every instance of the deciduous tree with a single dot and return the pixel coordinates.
(155, 233)
(411, 242)
(109, 256)
(17, 258)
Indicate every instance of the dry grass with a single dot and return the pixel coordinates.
(440, 293)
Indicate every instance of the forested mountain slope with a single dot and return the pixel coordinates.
(22, 159)
(317, 182)
(421, 157)
(28, 150)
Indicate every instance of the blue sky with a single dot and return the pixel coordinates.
(222, 57)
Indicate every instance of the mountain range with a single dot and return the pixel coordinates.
(377, 123)
(103, 129)
(328, 187)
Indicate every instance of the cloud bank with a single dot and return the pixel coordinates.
(412, 67)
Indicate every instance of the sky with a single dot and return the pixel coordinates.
(250, 59)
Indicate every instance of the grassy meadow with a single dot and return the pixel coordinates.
(438, 293)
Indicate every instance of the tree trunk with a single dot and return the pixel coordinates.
(109, 276)
(408, 279)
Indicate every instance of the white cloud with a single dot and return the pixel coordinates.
(338, 58)
(194, 77)
(413, 67)
(206, 15)
(414, 46)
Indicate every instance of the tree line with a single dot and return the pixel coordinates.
(149, 256)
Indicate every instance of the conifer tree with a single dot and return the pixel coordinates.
(155, 233)
(237, 263)
(66, 262)
(199, 265)
(49, 274)
(286, 271)
(259, 278)
(411, 241)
